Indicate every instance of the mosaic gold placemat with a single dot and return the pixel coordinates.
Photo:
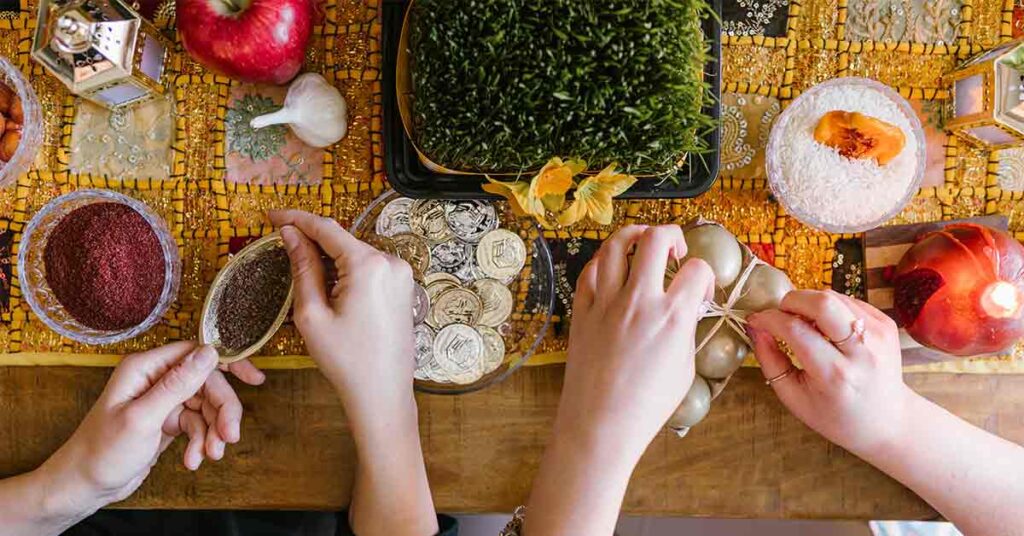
(192, 157)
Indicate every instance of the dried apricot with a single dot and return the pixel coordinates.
(6, 98)
(17, 112)
(856, 135)
(9, 144)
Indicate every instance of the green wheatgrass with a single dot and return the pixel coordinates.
(504, 85)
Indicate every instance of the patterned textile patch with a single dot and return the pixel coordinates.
(848, 268)
(1011, 170)
(755, 17)
(746, 124)
(919, 21)
(570, 256)
(132, 143)
(270, 155)
(764, 251)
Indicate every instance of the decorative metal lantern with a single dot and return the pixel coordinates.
(103, 50)
(988, 97)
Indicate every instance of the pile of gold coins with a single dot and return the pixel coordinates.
(463, 264)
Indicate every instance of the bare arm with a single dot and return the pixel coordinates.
(361, 336)
(853, 394)
(391, 494)
(579, 487)
(973, 478)
(630, 364)
(30, 507)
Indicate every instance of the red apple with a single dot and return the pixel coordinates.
(257, 41)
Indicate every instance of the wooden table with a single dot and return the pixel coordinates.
(749, 459)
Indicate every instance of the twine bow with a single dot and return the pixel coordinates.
(726, 313)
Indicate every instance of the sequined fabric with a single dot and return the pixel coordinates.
(214, 188)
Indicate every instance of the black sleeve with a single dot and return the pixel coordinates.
(447, 526)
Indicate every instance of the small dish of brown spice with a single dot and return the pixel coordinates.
(248, 300)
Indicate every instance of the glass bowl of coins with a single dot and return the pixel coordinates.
(485, 285)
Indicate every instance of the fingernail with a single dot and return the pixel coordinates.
(204, 357)
(290, 237)
(218, 450)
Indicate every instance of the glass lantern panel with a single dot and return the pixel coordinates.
(992, 135)
(152, 64)
(970, 95)
(120, 94)
(1010, 89)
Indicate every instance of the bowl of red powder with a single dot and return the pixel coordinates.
(98, 267)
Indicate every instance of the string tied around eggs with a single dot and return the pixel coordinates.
(726, 313)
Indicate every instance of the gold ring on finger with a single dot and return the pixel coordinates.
(857, 328)
(775, 379)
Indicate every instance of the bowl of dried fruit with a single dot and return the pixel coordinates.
(484, 286)
(21, 124)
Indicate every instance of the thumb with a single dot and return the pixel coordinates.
(307, 270)
(180, 383)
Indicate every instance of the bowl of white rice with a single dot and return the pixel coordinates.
(824, 189)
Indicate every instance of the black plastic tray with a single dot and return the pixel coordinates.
(409, 176)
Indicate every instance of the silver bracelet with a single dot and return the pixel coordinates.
(515, 527)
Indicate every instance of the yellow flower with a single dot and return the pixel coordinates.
(545, 192)
(517, 193)
(594, 197)
(553, 181)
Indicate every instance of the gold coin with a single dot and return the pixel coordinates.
(501, 255)
(428, 220)
(382, 243)
(413, 250)
(457, 306)
(494, 348)
(434, 290)
(440, 276)
(497, 300)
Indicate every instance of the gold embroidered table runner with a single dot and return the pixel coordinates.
(192, 157)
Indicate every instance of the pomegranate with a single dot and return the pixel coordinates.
(960, 290)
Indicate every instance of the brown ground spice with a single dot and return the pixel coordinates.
(252, 299)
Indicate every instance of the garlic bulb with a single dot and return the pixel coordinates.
(314, 110)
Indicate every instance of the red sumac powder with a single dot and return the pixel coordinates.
(105, 265)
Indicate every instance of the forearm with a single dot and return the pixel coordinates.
(391, 495)
(30, 505)
(973, 478)
(579, 487)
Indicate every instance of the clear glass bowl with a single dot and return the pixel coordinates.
(533, 290)
(774, 166)
(31, 130)
(32, 268)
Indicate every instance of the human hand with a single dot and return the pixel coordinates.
(151, 398)
(631, 343)
(360, 333)
(851, 392)
(245, 371)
